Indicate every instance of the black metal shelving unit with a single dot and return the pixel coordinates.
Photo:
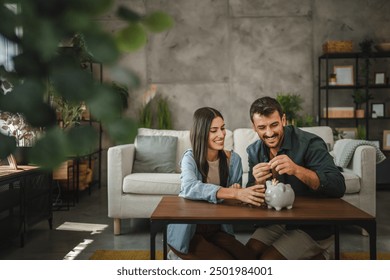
(70, 194)
(363, 80)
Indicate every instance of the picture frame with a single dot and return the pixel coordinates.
(344, 75)
(380, 78)
(347, 132)
(377, 110)
(386, 140)
(12, 162)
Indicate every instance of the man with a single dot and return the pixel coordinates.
(295, 157)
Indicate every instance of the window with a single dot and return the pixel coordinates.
(9, 49)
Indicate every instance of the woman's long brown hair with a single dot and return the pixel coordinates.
(199, 141)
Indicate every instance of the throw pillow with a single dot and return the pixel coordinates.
(155, 154)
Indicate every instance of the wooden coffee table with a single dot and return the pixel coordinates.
(306, 211)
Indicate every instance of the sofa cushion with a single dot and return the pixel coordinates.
(155, 154)
(156, 183)
(243, 137)
(183, 142)
(325, 132)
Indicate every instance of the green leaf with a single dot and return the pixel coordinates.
(131, 38)
(51, 150)
(93, 7)
(127, 14)
(9, 17)
(73, 21)
(106, 105)
(74, 84)
(124, 76)
(28, 64)
(8, 146)
(158, 22)
(102, 47)
(82, 140)
(24, 96)
(45, 118)
(122, 131)
(43, 38)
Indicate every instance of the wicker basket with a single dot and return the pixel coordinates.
(85, 175)
(337, 46)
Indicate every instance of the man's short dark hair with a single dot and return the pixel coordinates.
(265, 106)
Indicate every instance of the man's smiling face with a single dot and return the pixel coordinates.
(270, 129)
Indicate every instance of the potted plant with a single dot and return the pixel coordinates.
(163, 114)
(291, 104)
(305, 121)
(155, 112)
(361, 132)
(359, 98)
(15, 125)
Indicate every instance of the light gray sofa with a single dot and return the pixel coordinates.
(136, 195)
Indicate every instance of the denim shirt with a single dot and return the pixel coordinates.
(192, 187)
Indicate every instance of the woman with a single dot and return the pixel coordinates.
(210, 173)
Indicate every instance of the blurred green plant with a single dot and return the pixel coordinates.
(154, 112)
(291, 104)
(305, 121)
(361, 132)
(146, 116)
(123, 92)
(164, 120)
(360, 97)
(46, 23)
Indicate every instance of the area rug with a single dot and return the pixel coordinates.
(144, 255)
(363, 256)
(124, 255)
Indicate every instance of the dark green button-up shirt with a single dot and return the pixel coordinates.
(307, 150)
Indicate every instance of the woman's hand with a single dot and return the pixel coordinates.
(235, 186)
(253, 195)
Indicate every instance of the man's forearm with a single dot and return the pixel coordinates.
(308, 177)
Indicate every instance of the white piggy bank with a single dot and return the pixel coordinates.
(279, 196)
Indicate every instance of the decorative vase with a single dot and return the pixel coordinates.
(359, 113)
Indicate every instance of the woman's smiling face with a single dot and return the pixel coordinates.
(217, 134)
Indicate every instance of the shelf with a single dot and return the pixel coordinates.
(341, 87)
(355, 87)
(364, 68)
(354, 55)
(357, 119)
(323, 118)
(340, 55)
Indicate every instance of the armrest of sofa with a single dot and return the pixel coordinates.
(119, 164)
(363, 164)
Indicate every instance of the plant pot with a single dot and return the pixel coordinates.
(359, 113)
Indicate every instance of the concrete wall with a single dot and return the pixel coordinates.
(227, 53)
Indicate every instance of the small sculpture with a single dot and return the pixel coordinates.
(279, 195)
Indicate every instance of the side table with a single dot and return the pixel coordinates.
(25, 199)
